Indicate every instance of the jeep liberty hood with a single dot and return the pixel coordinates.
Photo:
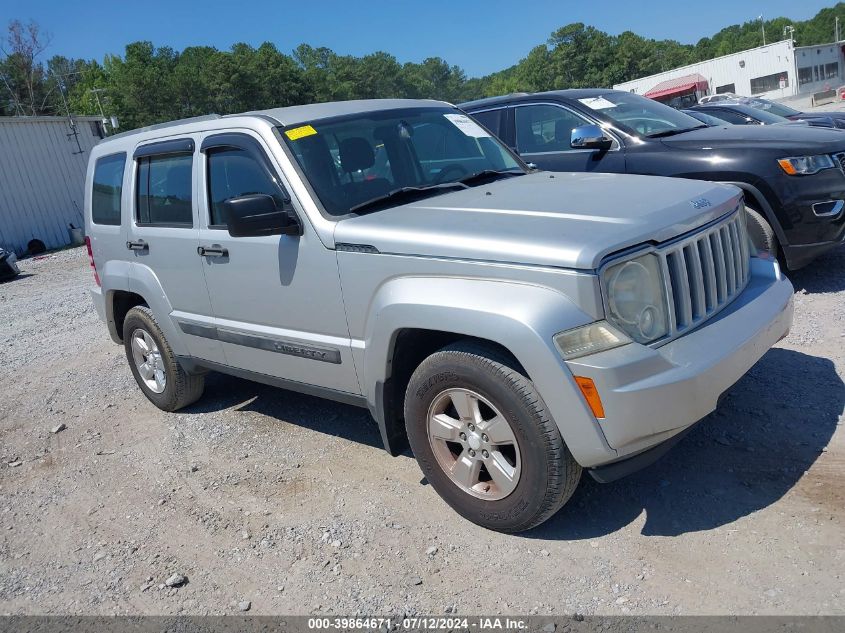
(568, 220)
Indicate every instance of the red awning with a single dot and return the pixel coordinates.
(678, 86)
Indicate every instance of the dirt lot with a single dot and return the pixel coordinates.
(287, 502)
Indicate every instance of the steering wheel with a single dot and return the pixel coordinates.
(459, 169)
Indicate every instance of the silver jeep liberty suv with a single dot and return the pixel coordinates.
(514, 326)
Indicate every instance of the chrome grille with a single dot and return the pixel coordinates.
(840, 160)
(705, 271)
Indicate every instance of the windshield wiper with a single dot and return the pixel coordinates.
(406, 192)
(673, 132)
(491, 174)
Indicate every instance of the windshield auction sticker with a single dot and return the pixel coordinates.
(467, 125)
(597, 103)
(300, 132)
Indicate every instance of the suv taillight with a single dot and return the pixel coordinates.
(91, 260)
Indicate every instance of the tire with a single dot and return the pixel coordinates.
(543, 472)
(179, 389)
(760, 231)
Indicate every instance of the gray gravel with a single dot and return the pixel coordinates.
(744, 516)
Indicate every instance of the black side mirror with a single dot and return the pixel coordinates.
(257, 214)
(590, 137)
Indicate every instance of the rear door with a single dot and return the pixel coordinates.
(276, 299)
(542, 135)
(164, 233)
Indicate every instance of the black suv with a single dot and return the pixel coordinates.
(793, 176)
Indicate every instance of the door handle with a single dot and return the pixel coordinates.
(212, 251)
(140, 245)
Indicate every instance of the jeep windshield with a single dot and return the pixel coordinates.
(368, 161)
(641, 115)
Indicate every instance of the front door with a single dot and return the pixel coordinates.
(543, 134)
(276, 300)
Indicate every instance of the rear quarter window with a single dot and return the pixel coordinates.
(107, 189)
(491, 119)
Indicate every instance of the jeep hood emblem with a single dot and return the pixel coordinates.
(701, 203)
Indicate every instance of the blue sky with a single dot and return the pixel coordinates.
(481, 36)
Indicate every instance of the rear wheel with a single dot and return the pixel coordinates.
(485, 441)
(156, 370)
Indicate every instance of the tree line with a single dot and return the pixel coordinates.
(148, 83)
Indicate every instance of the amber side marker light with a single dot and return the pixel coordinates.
(787, 166)
(591, 395)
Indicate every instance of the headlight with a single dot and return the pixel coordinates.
(589, 339)
(805, 165)
(636, 299)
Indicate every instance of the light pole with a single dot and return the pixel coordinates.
(97, 92)
(112, 120)
(763, 27)
(789, 32)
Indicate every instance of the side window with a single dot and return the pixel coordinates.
(163, 195)
(545, 128)
(108, 185)
(232, 173)
(732, 117)
(491, 119)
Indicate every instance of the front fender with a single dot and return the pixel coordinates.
(521, 317)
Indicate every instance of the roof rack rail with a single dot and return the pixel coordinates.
(162, 126)
(485, 100)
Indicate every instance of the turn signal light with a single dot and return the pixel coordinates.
(591, 395)
(787, 166)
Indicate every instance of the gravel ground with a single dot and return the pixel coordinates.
(287, 502)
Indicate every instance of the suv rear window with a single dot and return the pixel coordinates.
(107, 189)
(164, 190)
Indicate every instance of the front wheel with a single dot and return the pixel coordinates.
(485, 441)
(760, 232)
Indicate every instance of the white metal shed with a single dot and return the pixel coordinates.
(42, 177)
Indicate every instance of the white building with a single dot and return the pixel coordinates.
(820, 67)
(42, 177)
(773, 71)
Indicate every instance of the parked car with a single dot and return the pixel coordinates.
(819, 118)
(739, 114)
(792, 176)
(724, 96)
(705, 118)
(516, 326)
(8, 265)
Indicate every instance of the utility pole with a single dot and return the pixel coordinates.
(836, 30)
(763, 27)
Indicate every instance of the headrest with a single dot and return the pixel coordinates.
(356, 153)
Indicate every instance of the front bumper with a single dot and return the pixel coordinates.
(652, 394)
(812, 220)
